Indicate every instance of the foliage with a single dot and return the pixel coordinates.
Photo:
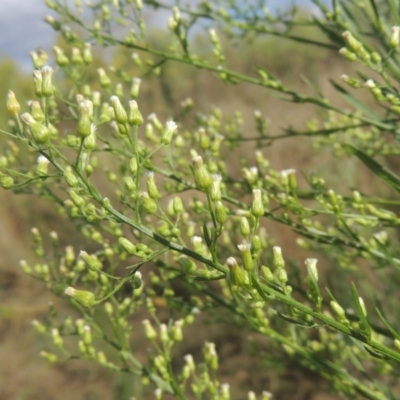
(174, 235)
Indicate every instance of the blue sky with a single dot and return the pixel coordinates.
(22, 28)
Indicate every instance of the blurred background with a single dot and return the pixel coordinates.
(23, 374)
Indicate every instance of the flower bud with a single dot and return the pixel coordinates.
(338, 310)
(135, 117)
(169, 130)
(151, 186)
(215, 191)
(70, 177)
(220, 212)
(84, 121)
(90, 141)
(92, 262)
(127, 245)
(13, 107)
(40, 133)
(83, 297)
(36, 111)
(236, 274)
(279, 262)
(105, 81)
(244, 227)
(149, 331)
(177, 205)
(120, 114)
(156, 122)
(311, 264)
(47, 85)
(202, 177)
(346, 53)
(351, 42)
(135, 87)
(394, 37)
(149, 205)
(43, 165)
(355, 83)
(245, 250)
(61, 58)
(87, 54)
(281, 276)
(257, 208)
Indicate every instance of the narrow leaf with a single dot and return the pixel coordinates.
(388, 176)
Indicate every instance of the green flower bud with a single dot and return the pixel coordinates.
(135, 117)
(256, 244)
(136, 280)
(78, 200)
(6, 182)
(40, 133)
(151, 186)
(197, 244)
(87, 336)
(362, 305)
(156, 122)
(149, 331)
(177, 205)
(37, 80)
(36, 111)
(51, 358)
(43, 165)
(90, 141)
(311, 264)
(127, 245)
(338, 310)
(70, 177)
(57, 339)
(130, 184)
(83, 297)
(245, 250)
(76, 56)
(61, 58)
(149, 205)
(244, 227)
(84, 120)
(215, 191)
(186, 263)
(39, 326)
(133, 166)
(394, 37)
(268, 275)
(279, 262)
(220, 212)
(25, 267)
(120, 114)
(281, 276)
(346, 53)
(106, 114)
(236, 274)
(202, 177)
(135, 87)
(92, 262)
(47, 85)
(351, 42)
(355, 83)
(257, 208)
(13, 107)
(87, 54)
(176, 331)
(169, 130)
(105, 81)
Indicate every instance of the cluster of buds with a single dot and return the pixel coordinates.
(354, 48)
